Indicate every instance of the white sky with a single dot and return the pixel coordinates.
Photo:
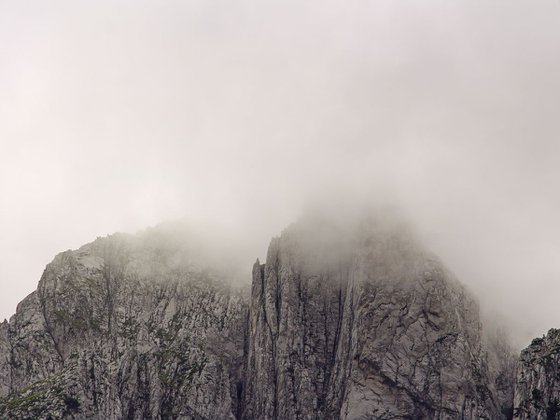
(116, 115)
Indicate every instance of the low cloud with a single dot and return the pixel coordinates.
(119, 115)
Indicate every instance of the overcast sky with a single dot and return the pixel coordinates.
(116, 115)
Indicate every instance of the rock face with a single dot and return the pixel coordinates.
(537, 392)
(369, 326)
(341, 323)
(122, 329)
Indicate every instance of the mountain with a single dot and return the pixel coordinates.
(125, 327)
(343, 320)
(365, 325)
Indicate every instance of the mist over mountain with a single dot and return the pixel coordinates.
(393, 147)
(345, 318)
(118, 116)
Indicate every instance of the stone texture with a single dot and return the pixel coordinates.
(537, 391)
(362, 325)
(123, 329)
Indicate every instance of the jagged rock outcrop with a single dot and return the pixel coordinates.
(349, 322)
(365, 325)
(124, 328)
(537, 391)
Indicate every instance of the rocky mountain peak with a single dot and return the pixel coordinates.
(362, 324)
(342, 321)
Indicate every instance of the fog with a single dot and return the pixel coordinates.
(117, 115)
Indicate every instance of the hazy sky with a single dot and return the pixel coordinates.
(116, 115)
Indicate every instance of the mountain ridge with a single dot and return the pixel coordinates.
(352, 322)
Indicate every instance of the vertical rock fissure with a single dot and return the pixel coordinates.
(49, 329)
(277, 307)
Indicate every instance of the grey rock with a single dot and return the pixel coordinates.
(537, 390)
(341, 322)
(368, 325)
(502, 362)
(123, 329)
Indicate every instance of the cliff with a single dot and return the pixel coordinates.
(122, 328)
(366, 325)
(350, 322)
(537, 391)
